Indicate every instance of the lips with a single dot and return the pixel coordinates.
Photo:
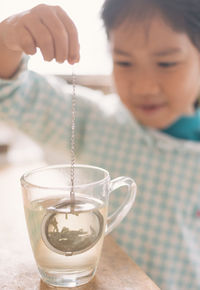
(150, 107)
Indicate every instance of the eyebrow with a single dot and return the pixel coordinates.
(166, 52)
(121, 52)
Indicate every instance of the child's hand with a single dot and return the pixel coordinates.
(46, 27)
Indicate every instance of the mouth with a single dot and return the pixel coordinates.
(151, 108)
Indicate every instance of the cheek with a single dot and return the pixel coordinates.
(182, 88)
(121, 83)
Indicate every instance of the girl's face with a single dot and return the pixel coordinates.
(156, 71)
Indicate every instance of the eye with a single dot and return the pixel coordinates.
(167, 64)
(123, 63)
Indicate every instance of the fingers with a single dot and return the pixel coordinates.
(74, 47)
(47, 27)
(40, 35)
(26, 41)
(62, 31)
(56, 29)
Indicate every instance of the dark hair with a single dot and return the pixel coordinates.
(181, 15)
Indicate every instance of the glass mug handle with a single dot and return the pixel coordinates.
(117, 216)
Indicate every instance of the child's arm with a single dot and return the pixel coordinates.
(47, 27)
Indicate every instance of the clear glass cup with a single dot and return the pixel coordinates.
(67, 237)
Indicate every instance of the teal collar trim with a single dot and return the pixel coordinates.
(187, 128)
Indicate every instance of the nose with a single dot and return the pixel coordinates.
(144, 83)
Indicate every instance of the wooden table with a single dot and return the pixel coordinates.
(17, 267)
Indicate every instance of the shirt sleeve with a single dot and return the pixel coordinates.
(40, 106)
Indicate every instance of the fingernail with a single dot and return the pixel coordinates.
(74, 59)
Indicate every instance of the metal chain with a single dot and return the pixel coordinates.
(73, 116)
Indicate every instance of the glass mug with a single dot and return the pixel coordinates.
(67, 236)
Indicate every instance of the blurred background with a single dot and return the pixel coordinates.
(93, 71)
